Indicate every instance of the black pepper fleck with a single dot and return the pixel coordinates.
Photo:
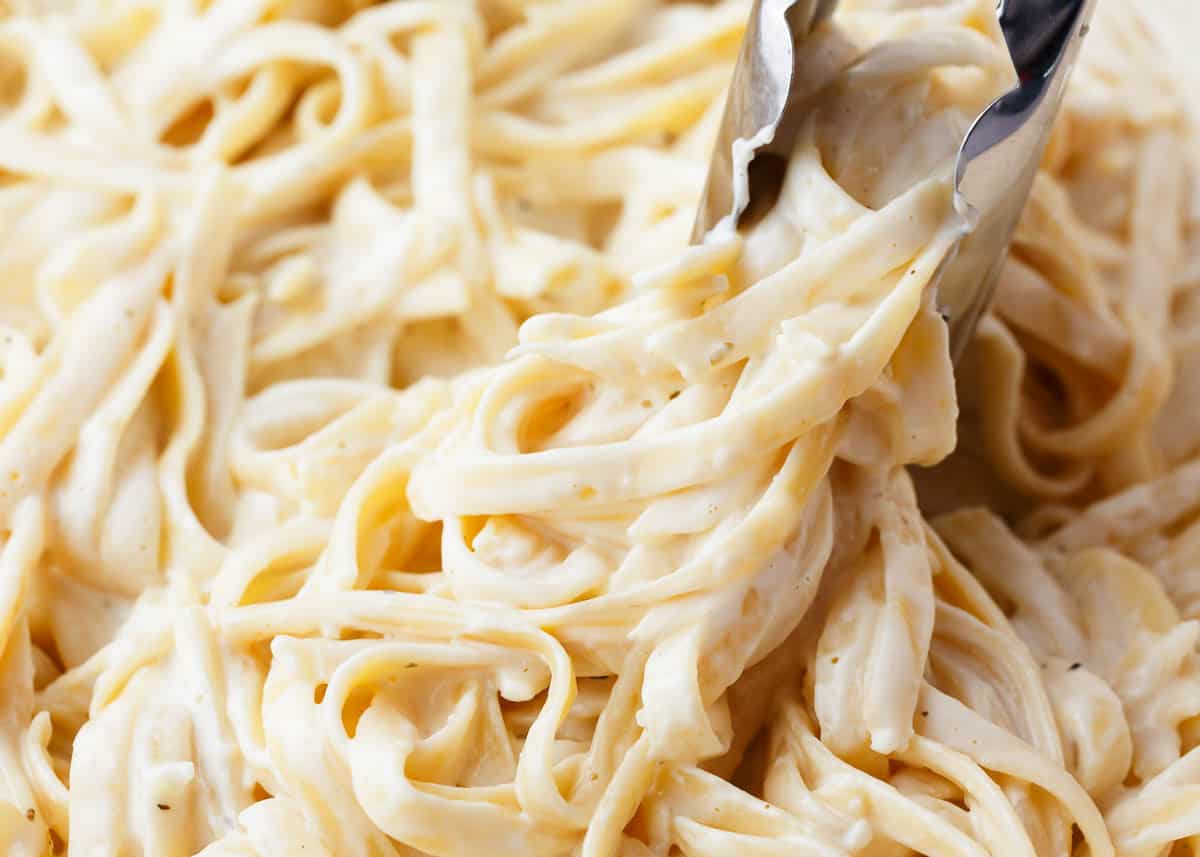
(31, 814)
(164, 806)
(1075, 666)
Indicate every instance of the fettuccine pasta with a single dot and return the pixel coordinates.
(383, 475)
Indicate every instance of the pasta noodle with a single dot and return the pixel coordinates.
(382, 474)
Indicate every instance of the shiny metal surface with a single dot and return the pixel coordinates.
(758, 98)
(999, 157)
(996, 162)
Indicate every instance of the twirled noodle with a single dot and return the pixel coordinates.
(382, 474)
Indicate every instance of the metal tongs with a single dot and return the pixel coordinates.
(996, 163)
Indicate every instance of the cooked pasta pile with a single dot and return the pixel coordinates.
(382, 474)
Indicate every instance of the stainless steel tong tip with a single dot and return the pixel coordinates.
(1000, 155)
(757, 104)
(996, 162)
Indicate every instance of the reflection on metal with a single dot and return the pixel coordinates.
(1000, 155)
(759, 94)
(996, 163)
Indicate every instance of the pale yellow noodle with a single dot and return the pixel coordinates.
(382, 474)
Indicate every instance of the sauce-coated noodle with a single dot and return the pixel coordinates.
(382, 475)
